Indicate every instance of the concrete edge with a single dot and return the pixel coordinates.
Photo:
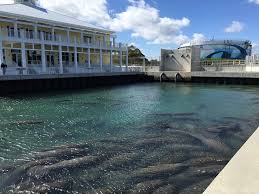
(241, 175)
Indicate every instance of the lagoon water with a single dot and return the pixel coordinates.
(142, 138)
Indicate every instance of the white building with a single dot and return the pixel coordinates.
(39, 41)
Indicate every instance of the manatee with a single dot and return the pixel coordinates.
(184, 114)
(62, 153)
(206, 161)
(199, 187)
(147, 186)
(29, 122)
(18, 174)
(158, 171)
(166, 189)
(41, 171)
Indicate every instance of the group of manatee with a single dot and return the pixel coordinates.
(167, 158)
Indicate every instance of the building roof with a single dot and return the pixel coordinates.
(216, 42)
(38, 14)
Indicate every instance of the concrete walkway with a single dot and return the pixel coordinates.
(241, 175)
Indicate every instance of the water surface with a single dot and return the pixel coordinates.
(143, 138)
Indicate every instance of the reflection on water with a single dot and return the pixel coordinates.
(146, 138)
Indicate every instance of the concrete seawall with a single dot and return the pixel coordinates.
(241, 175)
(39, 83)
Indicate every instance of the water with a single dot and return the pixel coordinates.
(143, 138)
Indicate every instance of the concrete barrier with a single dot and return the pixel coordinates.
(241, 175)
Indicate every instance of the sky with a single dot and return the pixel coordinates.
(154, 24)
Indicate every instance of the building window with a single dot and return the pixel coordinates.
(34, 57)
(87, 39)
(73, 57)
(10, 31)
(65, 58)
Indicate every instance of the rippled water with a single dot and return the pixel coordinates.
(144, 138)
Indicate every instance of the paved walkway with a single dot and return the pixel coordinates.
(241, 175)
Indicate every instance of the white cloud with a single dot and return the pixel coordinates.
(139, 18)
(254, 1)
(144, 21)
(6, 1)
(235, 26)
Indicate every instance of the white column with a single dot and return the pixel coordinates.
(43, 54)
(94, 38)
(120, 56)
(75, 55)
(15, 29)
(104, 41)
(35, 31)
(53, 33)
(111, 60)
(114, 41)
(24, 61)
(68, 36)
(127, 59)
(101, 58)
(60, 60)
(89, 57)
(82, 38)
(1, 52)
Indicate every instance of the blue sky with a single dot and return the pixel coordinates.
(155, 24)
(206, 16)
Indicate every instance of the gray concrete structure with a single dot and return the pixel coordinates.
(183, 59)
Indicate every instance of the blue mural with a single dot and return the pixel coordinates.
(216, 50)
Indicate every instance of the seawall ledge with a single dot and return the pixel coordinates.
(241, 175)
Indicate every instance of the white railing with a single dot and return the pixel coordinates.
(222, 62)
(9, 34)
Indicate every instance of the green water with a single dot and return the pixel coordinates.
(133, 117)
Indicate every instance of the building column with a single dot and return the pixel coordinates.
(127, 59)
(101, 58)
(68, 36)
(1, 52)
(121, 63)
(43, 54)
(61, 71)
(94, 38)
(16, 29)
(89, 57)
(75, 55)
(53, 33)
(24, 61)
(35, 31)
(111, 60)
(114, 41)
(82, 37)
